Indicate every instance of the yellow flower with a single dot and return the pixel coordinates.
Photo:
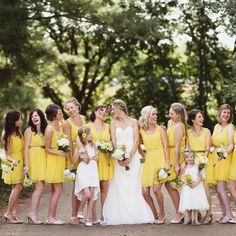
(84, 135)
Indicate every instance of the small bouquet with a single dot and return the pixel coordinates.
(105, 147)
(201, 161)
(222, 151)
(162, 175)
(187, 179)
(176, 183)
(63, 143)
(68, 175)
(7, 166)
(27, 181)
(121, 154)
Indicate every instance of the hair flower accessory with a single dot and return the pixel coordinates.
(84, 135)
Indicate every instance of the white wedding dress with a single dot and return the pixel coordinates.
(124, 203)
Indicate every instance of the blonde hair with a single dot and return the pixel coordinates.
(179, 109)
(73, 100)
(226, 107)
(121, 104)
(144, 118)
(189, 152)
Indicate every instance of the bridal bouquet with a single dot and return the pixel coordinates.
(176, 183)
(121, 154)
(201, 161)
(27, 181)
(187, 179)
(105, 147)
(68, 175)
(63, 143)
(162, 175)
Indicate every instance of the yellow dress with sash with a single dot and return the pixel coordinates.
(55, 164)
(171, 142)
(74, 134)
(17, 153)
(198, 144)
(105, 165)
(37, 157)
(222, 167)
(232, 172)
(155, 157)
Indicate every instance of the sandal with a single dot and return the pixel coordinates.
(74, 220)
(208, 220)
(89, 223)
(225, 220)
(196, 222)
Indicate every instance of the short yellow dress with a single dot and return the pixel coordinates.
(105, 169)
(171, 142)
(74, 134)
(37, 158)
(198, 144)
(220, 137)
(155, 157)
(232, 172)
(17, 153)
(55, 164)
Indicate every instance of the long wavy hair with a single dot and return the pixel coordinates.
(43, 120)
(10, 126)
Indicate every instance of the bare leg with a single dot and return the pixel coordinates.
(174, 194)
(104, 189)
(90, 204)
(36, 200)
(149, 200)
(75, 207)
(225, 205)
(160, 200)
(57, 189)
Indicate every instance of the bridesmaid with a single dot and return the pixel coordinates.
(35, 159)
(13, 144)
(199, 140)
(100, 132)
(157, 157)
(70, 128)
(232, 172)
(176, 133)
(56, 161)
(223, 135)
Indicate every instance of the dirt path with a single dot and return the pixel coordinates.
(123, 230)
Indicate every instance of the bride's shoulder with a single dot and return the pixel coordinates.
(133, 122)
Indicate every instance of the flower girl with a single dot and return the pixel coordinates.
(87, 182)
(192, 197)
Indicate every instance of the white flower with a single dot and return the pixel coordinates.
(6, 169)
(68, 175)
(118, 154)
(63, 142)
(162, 175)
(66, 172)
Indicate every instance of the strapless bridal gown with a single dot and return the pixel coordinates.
(124, 203)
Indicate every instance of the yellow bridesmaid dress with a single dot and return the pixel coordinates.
(232, 172)
(171, 141)
(220, 137)
(37, 157)
(155, 157)
(105, 168)
(55, 164)
(198, 144)
(17, 153)
(74, 134)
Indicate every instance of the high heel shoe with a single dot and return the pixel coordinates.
(54, 221)
(74, 220)
(160, 222)
(32, 220)
(10, 220)
(178, 221)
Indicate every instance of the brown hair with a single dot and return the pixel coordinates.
(92, 116)
(83, 131)
(226, 107)
(192, 115)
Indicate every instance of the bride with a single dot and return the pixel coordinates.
(124, 203)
